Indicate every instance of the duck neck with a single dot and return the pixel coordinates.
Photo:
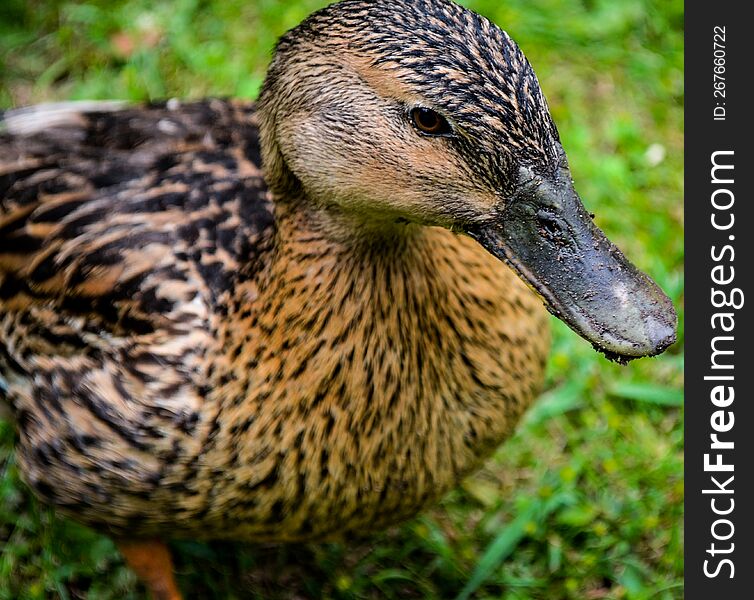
(342, 290)
(376, 304)
(364, 238)
(406, 353)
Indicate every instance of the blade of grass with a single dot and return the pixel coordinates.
(556, 402)
(507, 541)
(648, 393)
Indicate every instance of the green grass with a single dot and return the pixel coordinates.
(586, 501)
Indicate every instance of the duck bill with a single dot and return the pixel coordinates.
(546, 235)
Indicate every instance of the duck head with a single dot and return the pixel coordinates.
(421, 111)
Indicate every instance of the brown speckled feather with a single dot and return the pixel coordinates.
(157, 387)
(122, 235)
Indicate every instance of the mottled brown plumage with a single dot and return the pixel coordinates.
(182, 354)
(194, 345)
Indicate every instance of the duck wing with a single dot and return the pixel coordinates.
(101, 205)
(123, 231)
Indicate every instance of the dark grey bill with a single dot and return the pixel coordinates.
(546, 235)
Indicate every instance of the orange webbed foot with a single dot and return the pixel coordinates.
(151, 561)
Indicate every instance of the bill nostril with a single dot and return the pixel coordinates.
(548, 225)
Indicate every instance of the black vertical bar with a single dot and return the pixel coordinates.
(719, 130)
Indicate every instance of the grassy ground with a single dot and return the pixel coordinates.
(585, 502)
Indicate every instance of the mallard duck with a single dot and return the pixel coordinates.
(313, 314)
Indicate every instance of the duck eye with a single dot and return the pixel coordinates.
(429, 122)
